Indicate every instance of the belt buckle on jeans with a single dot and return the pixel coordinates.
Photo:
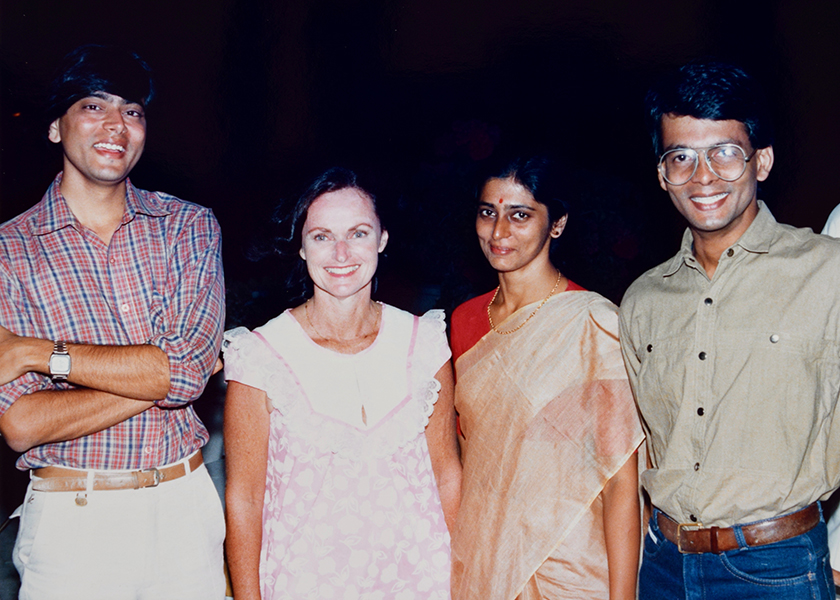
(689, 527)
(157, 477)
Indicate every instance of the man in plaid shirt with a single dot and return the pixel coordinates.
(111, 314)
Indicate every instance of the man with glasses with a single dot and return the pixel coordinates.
(733, 353)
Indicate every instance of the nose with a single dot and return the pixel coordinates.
(501, 228)
(703, 174)
(114, 120)
(341, 251)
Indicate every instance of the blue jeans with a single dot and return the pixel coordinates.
(793, 569)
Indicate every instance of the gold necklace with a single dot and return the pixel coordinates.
(522, 324)
(323, 337)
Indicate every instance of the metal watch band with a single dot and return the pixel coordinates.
(59, 353)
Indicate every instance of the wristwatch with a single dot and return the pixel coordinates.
(59, 362)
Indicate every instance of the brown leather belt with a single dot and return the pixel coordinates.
(59, 479)
(693, 538)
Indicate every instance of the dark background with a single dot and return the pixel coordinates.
(255, 98)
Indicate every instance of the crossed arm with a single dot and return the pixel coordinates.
(114, 383)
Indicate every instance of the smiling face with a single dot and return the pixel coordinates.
(513, 228)
(102, 137)
(715, 208)
(342, 239)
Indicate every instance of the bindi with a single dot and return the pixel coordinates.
(501, 200)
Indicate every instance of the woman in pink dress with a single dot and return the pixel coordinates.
(342, 460)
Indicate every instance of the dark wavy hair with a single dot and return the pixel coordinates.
(93, 68)
(709, 90)
(287, 246)
(548, 181)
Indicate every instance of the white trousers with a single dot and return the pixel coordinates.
(157, 543)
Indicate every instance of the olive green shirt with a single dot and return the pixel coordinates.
(737, 377)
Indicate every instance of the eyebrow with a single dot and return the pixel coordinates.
(482, 204)
(328, 230)
(102, 95)
(685, 146)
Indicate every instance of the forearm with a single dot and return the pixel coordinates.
(442, 439)
(60, 415)
(139, 371)
(246, 448)
(449, 487)
(242, 544)
(622, 530)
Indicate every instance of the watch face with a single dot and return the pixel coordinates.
(60, 364)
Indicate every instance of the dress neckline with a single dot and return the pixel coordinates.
(312, 342)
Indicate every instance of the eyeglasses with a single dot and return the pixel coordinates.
(726, 161)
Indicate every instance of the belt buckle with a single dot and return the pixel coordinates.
(688, 527)
(157, 477)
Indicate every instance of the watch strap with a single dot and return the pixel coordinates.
(59, 349)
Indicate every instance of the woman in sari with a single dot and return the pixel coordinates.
(549, 430)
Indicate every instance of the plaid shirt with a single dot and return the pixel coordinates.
(159, 281)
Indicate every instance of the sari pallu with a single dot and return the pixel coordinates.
(548, 418)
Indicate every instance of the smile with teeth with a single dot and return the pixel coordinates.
(709, 199)
(341, 270)
(110, 147)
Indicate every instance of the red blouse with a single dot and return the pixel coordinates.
(470, 324)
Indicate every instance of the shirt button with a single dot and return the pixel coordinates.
(702, 356)
(708, 301)
(125, 308)
(692, 518)
(650, 348)
(696, 466)
(147, 449)
(730, 252)
(700, 411)
(774, 338)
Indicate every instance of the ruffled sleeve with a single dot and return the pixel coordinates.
(429, 354)
(244, 352)
(432, 349)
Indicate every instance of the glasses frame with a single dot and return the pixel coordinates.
(705, 152)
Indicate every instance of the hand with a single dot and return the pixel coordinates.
(218, 366)
(11, 367)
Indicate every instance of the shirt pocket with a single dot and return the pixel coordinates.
(777, 384)
(663, 381)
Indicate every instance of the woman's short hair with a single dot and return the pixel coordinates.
(93, 68)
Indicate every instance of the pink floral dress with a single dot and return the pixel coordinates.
(351, 509)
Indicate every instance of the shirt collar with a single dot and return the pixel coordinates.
(756, 239)
(57, 215)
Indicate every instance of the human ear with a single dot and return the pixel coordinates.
(662, 183)
(383, 240)
(764, 158)
(302, 253)
(54, 134)
(558, 226)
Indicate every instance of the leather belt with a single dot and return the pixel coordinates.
(59, 479)
(693, 538)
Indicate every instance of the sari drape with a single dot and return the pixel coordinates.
(548, 418)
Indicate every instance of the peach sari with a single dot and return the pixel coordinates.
(549, 418)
